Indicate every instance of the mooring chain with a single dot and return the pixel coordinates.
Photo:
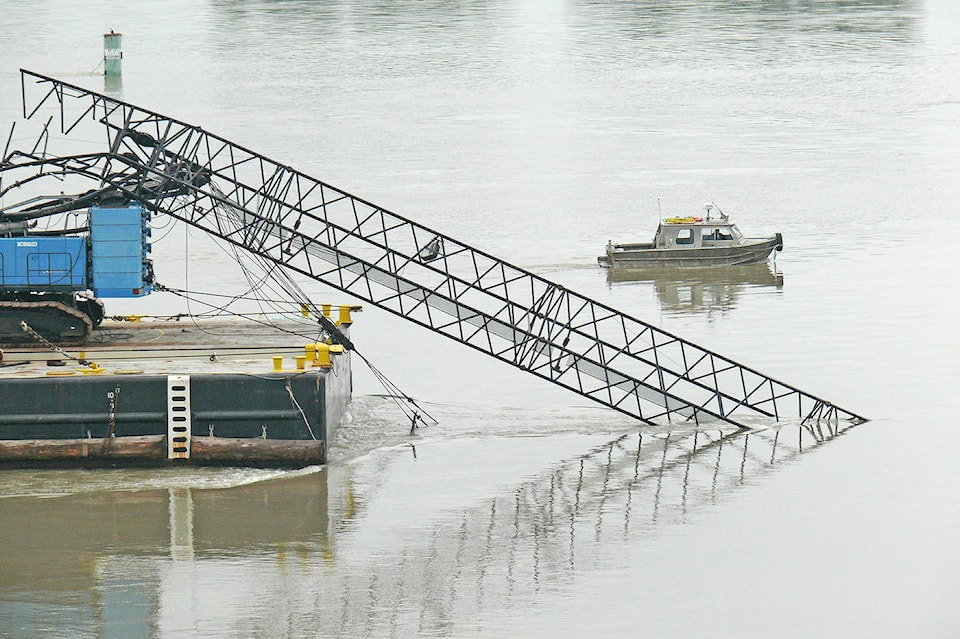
(43, 340)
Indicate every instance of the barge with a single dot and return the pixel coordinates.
(204, 392)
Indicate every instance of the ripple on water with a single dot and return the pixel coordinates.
(52, 483)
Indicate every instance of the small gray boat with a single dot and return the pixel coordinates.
(692, 241)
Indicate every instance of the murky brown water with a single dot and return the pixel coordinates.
(537, 131)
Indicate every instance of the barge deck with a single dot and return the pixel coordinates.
(207, 392)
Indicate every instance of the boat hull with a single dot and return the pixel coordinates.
(640, 256)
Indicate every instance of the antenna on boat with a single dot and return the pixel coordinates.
(722, 214)
(659, 212)
(708, 207)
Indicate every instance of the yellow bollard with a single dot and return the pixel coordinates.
(304, 310)
(326, 310)
(278, 362)
(344, 316)
(301, 362)
(323, 355)
(92, 369)
(324, 352)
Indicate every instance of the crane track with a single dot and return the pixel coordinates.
(56, 322)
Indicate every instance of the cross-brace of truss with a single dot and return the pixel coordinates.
(429, 278)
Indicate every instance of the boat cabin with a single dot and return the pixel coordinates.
(695, 232)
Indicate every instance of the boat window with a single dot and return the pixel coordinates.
(724, 234)
(685, 236)
(736, 232)
(709, 234)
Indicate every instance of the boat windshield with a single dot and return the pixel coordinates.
(721, 234)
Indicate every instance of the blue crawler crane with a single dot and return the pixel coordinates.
(51, 282)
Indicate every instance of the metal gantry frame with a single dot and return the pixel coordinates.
(420, 274)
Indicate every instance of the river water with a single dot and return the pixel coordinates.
(537, 130)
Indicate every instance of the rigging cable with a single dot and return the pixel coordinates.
(271, 272)
(415, 413)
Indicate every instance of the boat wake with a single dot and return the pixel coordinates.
(53, 483)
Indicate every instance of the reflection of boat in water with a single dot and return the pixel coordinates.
(694, 290)
(692, 241)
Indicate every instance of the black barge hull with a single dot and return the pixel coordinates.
(161, 397)
(269, 419)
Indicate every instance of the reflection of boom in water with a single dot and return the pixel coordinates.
(323, 561)
(559, 524)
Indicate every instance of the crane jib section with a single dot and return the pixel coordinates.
(309, 227)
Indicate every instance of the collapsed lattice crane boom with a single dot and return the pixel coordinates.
(307, 226)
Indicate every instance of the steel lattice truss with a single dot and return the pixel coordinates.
(324, 233)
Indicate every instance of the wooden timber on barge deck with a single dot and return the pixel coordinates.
(173, 393)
